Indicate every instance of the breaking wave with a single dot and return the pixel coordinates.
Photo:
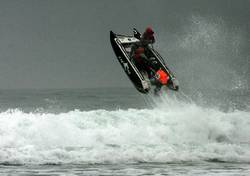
(172, 132)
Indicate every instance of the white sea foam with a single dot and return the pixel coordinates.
(172, 132)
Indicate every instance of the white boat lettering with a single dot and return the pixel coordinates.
(125, 65)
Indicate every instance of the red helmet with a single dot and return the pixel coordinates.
(149, 30)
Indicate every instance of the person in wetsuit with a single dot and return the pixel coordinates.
(148, 37)
(142, 60)
(140, 52)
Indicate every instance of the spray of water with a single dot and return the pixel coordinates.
(207, 54)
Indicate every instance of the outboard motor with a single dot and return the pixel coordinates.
(136, 34)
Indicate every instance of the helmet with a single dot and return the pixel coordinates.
(149, 30)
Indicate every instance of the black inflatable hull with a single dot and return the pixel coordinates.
(133, 73)
(121, 45)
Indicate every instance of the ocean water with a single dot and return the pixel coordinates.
(118, 131)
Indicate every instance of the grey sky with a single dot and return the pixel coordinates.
(65, 44)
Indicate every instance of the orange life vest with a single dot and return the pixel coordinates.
(162, 77)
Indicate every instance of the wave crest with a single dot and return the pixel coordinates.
(171, 133)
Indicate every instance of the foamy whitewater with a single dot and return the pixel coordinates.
(172, 132)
